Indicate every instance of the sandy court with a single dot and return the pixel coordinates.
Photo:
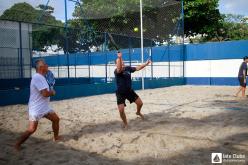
(183, 125)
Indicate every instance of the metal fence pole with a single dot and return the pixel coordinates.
(169, 65)
(106, 58)
(30, 52)
(75, 65)
(58, 64)
(182, 15)
(150, 53)
(129, 52)
(142, 42)
(30, 56)
(89, 62)
(18, 62)
(20, 37)
(66, 41)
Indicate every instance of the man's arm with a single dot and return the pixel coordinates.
(140, 67)
(41, 84)
(119, 63)
(47, 93)
(244, 74)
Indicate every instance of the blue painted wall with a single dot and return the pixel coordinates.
(230, 81)
(159, 54)
(11, 96)
(216, 50)
(206, 51)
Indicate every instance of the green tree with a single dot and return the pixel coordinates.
(26, 13)
(42, 35)
(203, 17)
(235, 27)
(20, 12)
(121, 17)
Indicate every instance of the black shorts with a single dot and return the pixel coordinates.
(241, 82)
(131, 96)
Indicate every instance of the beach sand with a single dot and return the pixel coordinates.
(183, 125)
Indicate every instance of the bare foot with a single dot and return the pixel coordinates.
(58, 139)
(139, 114)
(124, 126)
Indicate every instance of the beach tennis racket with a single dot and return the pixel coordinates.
(50, 79)
(113, 41)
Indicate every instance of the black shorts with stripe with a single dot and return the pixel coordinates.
(242, 81)
(131, 96)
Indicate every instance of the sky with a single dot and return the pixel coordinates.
(225, 6)
(59, 9)
(234, 7)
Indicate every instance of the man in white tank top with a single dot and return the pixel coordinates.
(38, 106)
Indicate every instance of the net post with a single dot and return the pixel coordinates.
(20, 39)
(66, 40)
(142, 44)
(129, 51)
(106, 58)
(151, 58)
(182, 17)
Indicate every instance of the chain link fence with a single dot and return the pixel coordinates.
(83, 47)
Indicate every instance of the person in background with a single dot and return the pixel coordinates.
(242, 77)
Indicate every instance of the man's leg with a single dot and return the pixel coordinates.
(31, 129)
(243, 91)
(121, 108)
(139, 104)
(53, 117)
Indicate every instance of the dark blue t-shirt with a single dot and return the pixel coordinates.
(123, 79)
(242, 67)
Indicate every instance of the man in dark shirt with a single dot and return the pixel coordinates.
(124, 87)
(242, 76)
